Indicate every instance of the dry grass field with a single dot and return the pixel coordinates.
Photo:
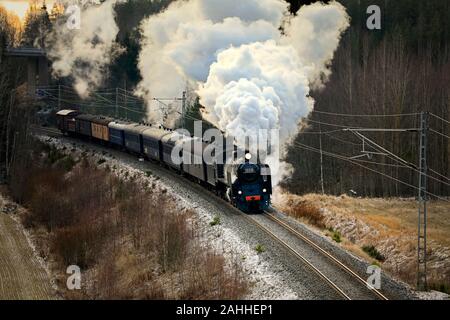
(21, 275)
(379, 230)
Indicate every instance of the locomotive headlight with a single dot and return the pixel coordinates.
(264, 190)
(248, 156)
(239, 192)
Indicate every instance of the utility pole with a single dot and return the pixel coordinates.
(117, 102)
(422, 188)
(321, 158)
(183, 105)
(125, 98)
(422, 212)
(183, 109)
(126, 93)
(59, 97)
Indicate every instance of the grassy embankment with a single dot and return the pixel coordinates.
(129, 240)
(382, 231)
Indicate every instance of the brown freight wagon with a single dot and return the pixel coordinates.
(65, 120)
(100, 128)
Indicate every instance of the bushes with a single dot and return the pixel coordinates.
(94, 220)
(440, 286)
(80, 243)
(336, 236)
(72, 246)
(209, 279)
(172, 241)
(373, 252)
(259, 249)
(215, 221)
(67, 163)
(53, 154)
(307, 211)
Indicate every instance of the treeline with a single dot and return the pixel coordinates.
(124, 73)
(401, 69)
(14, 114)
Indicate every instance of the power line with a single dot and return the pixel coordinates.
(393, 156)
(317, 132)
(328, 124)
(367, 115)
(345, 158)
(343, 141)
(441, 175)
(382, 164)
(441, 134)
(438, 117)
(349, 128)
(382, 129)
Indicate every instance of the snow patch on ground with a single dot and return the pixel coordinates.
(433, 295)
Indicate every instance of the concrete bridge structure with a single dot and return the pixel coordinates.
(38, 71)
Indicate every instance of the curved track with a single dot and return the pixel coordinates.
(335, 275)
(320, 251)
(304, 260)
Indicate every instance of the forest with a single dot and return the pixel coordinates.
(402, 69)
(381, 79)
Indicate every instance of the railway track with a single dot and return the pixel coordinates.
(49, 131)
(329, 282)
(368, 291)
(327, 255)
(349, 287)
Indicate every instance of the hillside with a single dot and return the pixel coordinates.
(383, 231)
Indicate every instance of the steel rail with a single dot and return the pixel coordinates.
(298, 256)
(325, 253)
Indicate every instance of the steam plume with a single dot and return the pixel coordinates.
(248, 75)
(84, 53)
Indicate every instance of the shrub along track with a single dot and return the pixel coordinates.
(312, 274)
(21, 275)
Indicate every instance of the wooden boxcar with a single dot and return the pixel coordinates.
(84, 124)
(65, 120)
(100, 128)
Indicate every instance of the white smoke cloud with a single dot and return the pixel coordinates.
(257, 86)
(248, 76)
(180, 44)
(84, 53)
(315, 33)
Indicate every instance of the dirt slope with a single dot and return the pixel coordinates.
(21, 275)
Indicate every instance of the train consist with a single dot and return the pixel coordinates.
(246, 185)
